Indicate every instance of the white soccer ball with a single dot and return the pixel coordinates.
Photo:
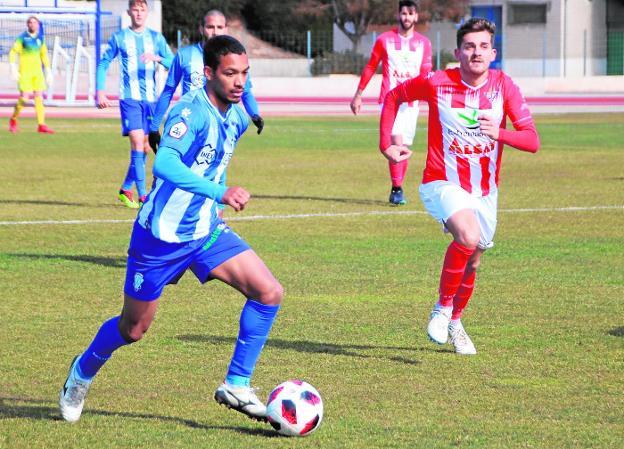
(295, 408)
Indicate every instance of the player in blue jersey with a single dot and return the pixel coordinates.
(188, 68)
(178, 229)
(139, 49)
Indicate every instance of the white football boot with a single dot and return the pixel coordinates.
(438, 327)
(242, 399)
(460, 339)
(72, 395)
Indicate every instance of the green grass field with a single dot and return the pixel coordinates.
(360, 280)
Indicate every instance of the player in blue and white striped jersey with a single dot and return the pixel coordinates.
(178, 229)
(188, 68)
(139, 50)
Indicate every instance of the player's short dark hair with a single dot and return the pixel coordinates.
(474, 25)
(408, 4)
(219, 46)
(211, 13)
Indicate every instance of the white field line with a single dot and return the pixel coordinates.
(317, 215)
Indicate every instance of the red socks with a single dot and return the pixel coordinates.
(455, 262)
(464, 292)
(397, 172)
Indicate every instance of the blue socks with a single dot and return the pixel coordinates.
(139, 171)
(255, 324)
(136, 172)
(107, 340)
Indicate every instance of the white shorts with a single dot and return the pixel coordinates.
(442, 199)
(405, 122)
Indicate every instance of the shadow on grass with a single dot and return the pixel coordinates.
(60, 203)
(320, 348)
(12, 407)
(320, 198)
(115, 262)
(617, 331)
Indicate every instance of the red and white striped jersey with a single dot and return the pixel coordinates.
(402, 58)
(457, 150)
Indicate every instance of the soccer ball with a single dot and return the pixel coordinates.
(295, 408)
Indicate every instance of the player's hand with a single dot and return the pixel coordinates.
(236, 197)
(15, 72)
(154, 140)
(257, 120)
(147, 57)
(397, 153)
(488, 127)
(102, 100)
(48, 76)
(356, 104)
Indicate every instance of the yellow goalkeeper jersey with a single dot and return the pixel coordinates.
(32, 52)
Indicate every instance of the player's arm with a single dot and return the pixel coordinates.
(111, 52)
(427, 64)
(251, 106)
(16, 50)
(178, 136)
(411, 90)
(524, 136)
(173, 79)
(43, 54)
(367, 74)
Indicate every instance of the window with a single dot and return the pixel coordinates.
(527, 13)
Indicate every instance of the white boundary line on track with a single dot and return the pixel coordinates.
(321, 215)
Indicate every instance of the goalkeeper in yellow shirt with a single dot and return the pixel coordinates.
(33, 55)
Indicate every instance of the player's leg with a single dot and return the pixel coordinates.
(132, 126)
(486, 216)
(40, 110)
(114, 333)
(137, 143)
(459, 338)
(455, 209)
(152, 264)
(21, 101)
(227, 257)
(403, 132)
(247, 273)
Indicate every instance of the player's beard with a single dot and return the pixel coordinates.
(410, 27)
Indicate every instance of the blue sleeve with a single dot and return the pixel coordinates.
(173, 79)
(164, 52)
(112, 50)
(182, 128)
(249, 101)
(168, 166)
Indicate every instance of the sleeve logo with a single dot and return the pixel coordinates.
(178, 130)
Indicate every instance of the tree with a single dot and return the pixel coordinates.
(353, 17)
(186, 15)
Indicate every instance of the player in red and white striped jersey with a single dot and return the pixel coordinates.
(403, 54)
(468, 111)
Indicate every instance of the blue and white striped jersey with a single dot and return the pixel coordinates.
(203, 140)
(188, 68)
(137, 79)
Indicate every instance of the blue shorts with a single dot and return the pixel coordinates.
(136, 115)
(152, 263)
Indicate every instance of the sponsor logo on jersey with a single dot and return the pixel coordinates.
(178, 130)
(469, 149)
(206, 155)
(468, 117)
(186, 112)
